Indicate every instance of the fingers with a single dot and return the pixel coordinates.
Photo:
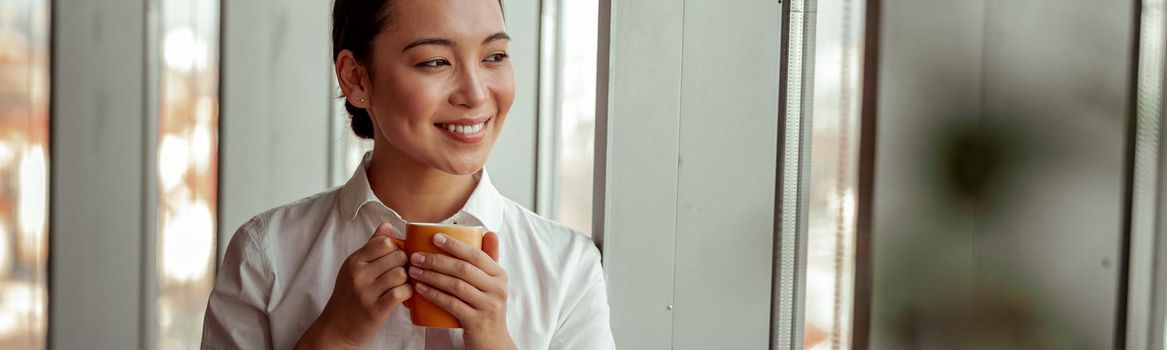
(394, 296)
(383, 230)
(490, 245)
(378, 268)
(456, 268)
(447, 302)
(374, 249)
(370, 292)
(391, 279)
(450, 285)
(469, 253)
(379, 245)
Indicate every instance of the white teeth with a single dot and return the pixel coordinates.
(464, 129)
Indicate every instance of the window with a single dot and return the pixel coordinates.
(569, 96)
(24, 166)
(834, 161)
(187, 167)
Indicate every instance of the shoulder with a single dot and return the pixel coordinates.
(544, 234)
(306, 212)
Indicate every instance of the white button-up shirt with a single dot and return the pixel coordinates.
(280, 268)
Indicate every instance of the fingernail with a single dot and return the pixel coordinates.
(440, 239)
(421, 287)
(415, 272)
(418, 258)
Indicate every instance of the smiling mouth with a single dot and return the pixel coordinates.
(469, 131)
(463, 128)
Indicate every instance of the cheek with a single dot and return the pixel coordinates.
(412, 100)
(504, 92)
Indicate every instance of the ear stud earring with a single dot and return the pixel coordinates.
(362, 100)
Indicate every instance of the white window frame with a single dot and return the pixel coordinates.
(1147, 264)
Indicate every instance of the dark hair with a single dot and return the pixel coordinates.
(355, 23)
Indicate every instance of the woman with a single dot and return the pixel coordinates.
(430, 83)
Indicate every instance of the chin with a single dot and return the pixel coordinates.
(463, 171)
(464, 166)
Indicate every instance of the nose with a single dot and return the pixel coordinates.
(471, 91)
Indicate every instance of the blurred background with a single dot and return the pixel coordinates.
(971, 174)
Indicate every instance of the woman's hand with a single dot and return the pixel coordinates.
(470, 285)
(371, 282)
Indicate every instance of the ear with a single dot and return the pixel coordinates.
(353, 79)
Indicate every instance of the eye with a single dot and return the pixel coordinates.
(497, 57)
(434, 63)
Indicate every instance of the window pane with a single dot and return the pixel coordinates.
(834, 149)
(24, 137)
(577, 112)
(187, 162)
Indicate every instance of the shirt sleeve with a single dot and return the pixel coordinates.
(585, 323)
(236, 316)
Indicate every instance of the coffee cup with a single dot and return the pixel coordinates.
(419, 238)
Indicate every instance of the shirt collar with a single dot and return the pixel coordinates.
(485, 203)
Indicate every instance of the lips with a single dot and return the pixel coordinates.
(469, 130)
(463, 129)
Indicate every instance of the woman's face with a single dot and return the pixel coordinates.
(442, 82)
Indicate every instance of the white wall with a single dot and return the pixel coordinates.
(275, 107)
(726, 174)
(689, 134)
(637, 135)
(98, 154)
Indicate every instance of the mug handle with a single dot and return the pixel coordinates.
(408, 303)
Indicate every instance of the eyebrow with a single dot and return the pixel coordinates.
(449, 43)
(496, 36)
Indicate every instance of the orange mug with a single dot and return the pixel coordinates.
(419, 238)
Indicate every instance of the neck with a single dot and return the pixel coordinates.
(417, 192)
